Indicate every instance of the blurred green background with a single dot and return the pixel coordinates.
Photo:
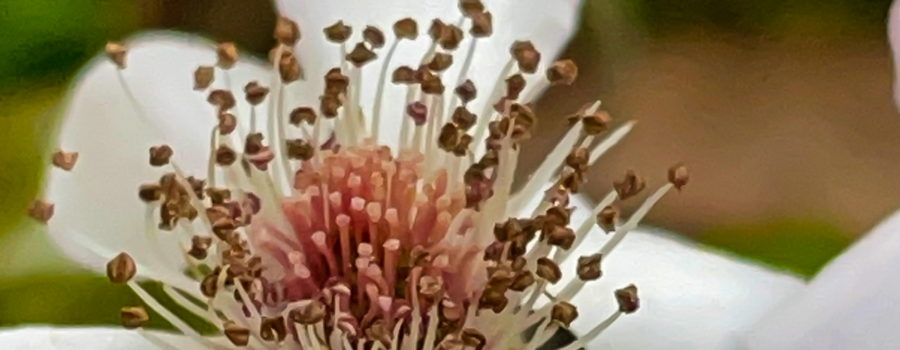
(790, 167)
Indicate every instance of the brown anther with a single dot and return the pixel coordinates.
(557, 215)
(336, 82)
(440, 61)
(209, 285)
(564, 313)
(373, 36)
(448, 138)
(628, 299)
(431, 287)
(562, 72)
(482, 24)
(289, 67)
(329, 105)
(255, 93)
(301, 115)
(40, 210)
(630, 185)
(514, 86)
(470, 7)
(121, 268)
(679, 176)
(526, 56)
(338, 32)
(133, 317)
(447, 35)
(228, 54)
(253, 143)
(404, 75)
(203, 77)
(472, 338)
(608, 218)
(462, 147)
(589, 267)
(116, 53)
(160, 155)
(225, 156)
(466, 91)
(596, 123)
(309, 313)
(522, 114)
(578, 159)
(286, 31)
(300, 149)
(238, 335)
(227, 123)
(223, 99)
(431, 83)
(218, 195)
(561, 236)
(406, 28)
(418, 111)
(494, 299)
(522, 281)
(548, 270)
(360, 55)
(150, 192)
(273, 329)
(463, 118)
(223, 227)
(199, 246)
(64, 160)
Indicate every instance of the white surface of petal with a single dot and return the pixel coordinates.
(548, 24)
(691, 297)
(93, 338)
(98, 213)
(851, 304)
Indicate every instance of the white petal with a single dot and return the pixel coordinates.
(94, 338)
(98, 213)
(691, 297)
(548, 24)
(850, 304)
(894, 36)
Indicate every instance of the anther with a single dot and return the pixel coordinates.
(116, 53)
(253, 143)
(227, 53)
(630, 185)
(679, 176)
(64, 160)
(309, 313)
(608, 218)
(470, 7)
(628, 299)
(301, 115)
(440, 62)
(225, 156)
(525, 55)
(286, 31)
(564, 313)
(463, 118)
(447, 35)
(159, 155)
(418, 112)
(562, 72)
(223, 99)
(289, 67)
(238, 335)
(514, 86)
(404, 75)
(431, 83)
(150, 192)
(482, 24)
(406, 28)
(133, 317)
(121, 269)
(199, 246)
(329, 105)
(466, 91)
(448, 137)
(596, 123)
(40, 210)
(203, 77)
(300, 149)
(561, 236)
(522, 281)
(589, 267)
(472, 338)
(548, 270)
(360, 55)
(255, 93)
(273, 329)
(373, 36)
(336, 82)
(338, 32)
(227, 123)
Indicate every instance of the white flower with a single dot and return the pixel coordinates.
(852, 303)
(350, 241)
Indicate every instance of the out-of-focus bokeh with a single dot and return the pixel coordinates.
(782, 109)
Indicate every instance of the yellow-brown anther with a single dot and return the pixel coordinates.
(589, 267)
(679, 176)
(470, 7)
(40, 210)
(203, 77)
(526, 56)
(406, 28)
(522, 281)
(116, 53)
(286, 31)
(338, 32)
(133, 317)
(608, 218)
(514, 86)
(373, 36)
(303, 115)
(223, 99)
(446, 35)
(448, 137)
(463, 118)
(255, 93)
(300, 149)
(430, 287)
(160, 155)
(336, 82)
(227, 123)
(630, 185)
(522, 114)
(150, 192)
(628, 299)
(360, 55)
(548, 270)
(482, 24)
(440, 62)
(238, 335)
(494, 299)
(199, 247)
(218, 195)
(273, 329)
(329, 105)
(562, 72)
(564, 313)
(472, 338)
(466, 91)
(578, 159)
(404, 75)
(253, 144)
(228, 54)
(209, 285)
(64, 160)
(225, 156)
(431, 83)
(596, 123)
(121, 269)
(561, 236)
(309, 313)
(462, 147)
(289, 67)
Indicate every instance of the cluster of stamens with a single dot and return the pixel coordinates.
(332, 241)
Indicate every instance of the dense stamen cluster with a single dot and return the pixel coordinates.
(333, 241)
